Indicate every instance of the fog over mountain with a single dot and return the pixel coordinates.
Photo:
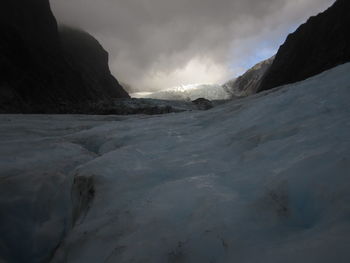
(157, 44)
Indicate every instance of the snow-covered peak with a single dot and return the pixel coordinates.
(188, 92)
(242, 86)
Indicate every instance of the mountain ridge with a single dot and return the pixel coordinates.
(321, 43)
(35, 76)
(249, 82)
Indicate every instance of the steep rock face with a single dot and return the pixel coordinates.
(321, 43)
(35, 76)
(86, 55)
(248, 83)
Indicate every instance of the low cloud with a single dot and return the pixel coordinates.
(158, 44)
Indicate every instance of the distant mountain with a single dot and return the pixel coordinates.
(37, 74)
(244, 85)
(188, 92)
(323, 42)
(248, 83)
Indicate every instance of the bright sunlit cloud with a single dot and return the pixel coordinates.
(197, 70)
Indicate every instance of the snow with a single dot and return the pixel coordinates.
(260, 179)
(188, 92)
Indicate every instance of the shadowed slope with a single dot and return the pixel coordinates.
(320, 44)
(35, 76)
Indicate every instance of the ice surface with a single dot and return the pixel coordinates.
(188, 92)
(261, 179)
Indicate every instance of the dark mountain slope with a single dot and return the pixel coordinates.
(323, 42)
(86, 55)
(35, 76)
(248, 83)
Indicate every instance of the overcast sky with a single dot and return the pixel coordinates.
(158, 44)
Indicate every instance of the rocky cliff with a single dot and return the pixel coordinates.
(323, 42)
(86, 55)
(248, 83)
(35, 74)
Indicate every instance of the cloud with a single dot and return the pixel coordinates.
(157, 44)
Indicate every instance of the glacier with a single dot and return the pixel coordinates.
(188, 93)
(259, 179)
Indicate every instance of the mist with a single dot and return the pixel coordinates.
(158, 44)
